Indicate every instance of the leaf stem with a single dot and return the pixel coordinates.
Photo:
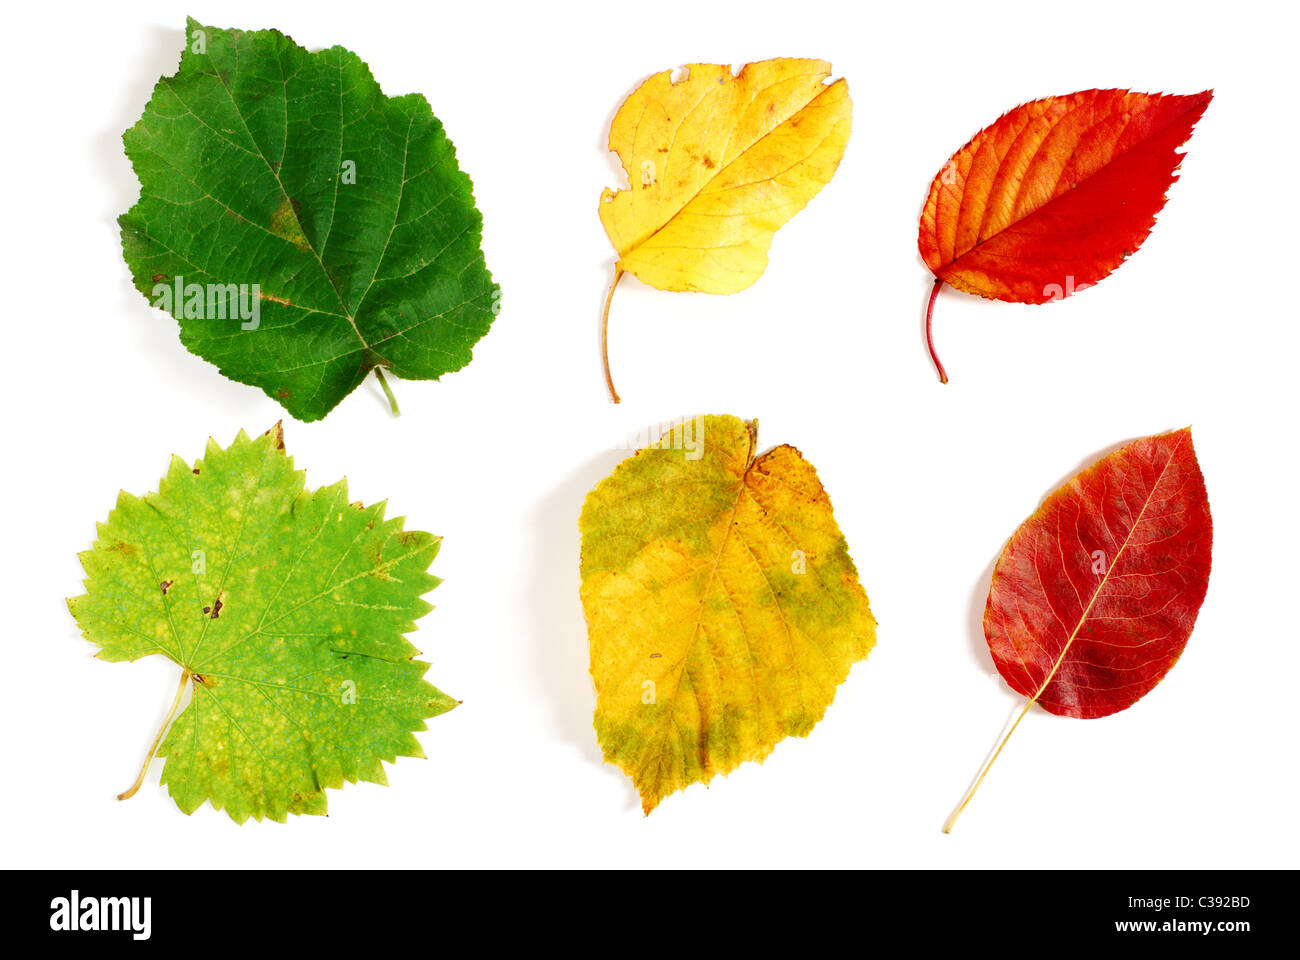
(388, 391)
(947, 827)
(180, 692)
(929, 336)
(604, 335)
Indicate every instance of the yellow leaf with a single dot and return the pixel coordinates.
(723, 609)
(716, 163)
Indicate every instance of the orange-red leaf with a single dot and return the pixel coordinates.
(1093, 599)
(1054, 195)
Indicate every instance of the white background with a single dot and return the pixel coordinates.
(826, 349)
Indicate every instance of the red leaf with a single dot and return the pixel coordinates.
(1093, 599)
(1055, 195)
(1110, 570)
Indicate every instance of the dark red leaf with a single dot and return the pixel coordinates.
(1094, 597)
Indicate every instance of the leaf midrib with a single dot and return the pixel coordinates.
(731, 163)
(257, 150)
(1083, 617)
(982, 240)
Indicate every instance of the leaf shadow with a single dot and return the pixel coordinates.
(165, 46)
(979, 595)
(979, 648)
(560, 654)
(1085, 463)
(153, 333)
(111, 165)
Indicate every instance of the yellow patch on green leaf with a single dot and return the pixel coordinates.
(284, 224)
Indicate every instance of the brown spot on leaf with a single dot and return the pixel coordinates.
(277, 432)
(123, 548)
(165, 586)
(379, 570)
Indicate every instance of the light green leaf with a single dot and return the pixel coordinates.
(286, 610)
(302, 227)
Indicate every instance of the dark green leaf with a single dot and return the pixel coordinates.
(263, 164)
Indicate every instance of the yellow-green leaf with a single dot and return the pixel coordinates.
(286, 611)
(723, 609)
(716, 163)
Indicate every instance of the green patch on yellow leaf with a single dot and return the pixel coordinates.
(723, 609)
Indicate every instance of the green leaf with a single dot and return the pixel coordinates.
(286, 610)
(263, 164)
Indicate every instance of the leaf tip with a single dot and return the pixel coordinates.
(276, 433)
